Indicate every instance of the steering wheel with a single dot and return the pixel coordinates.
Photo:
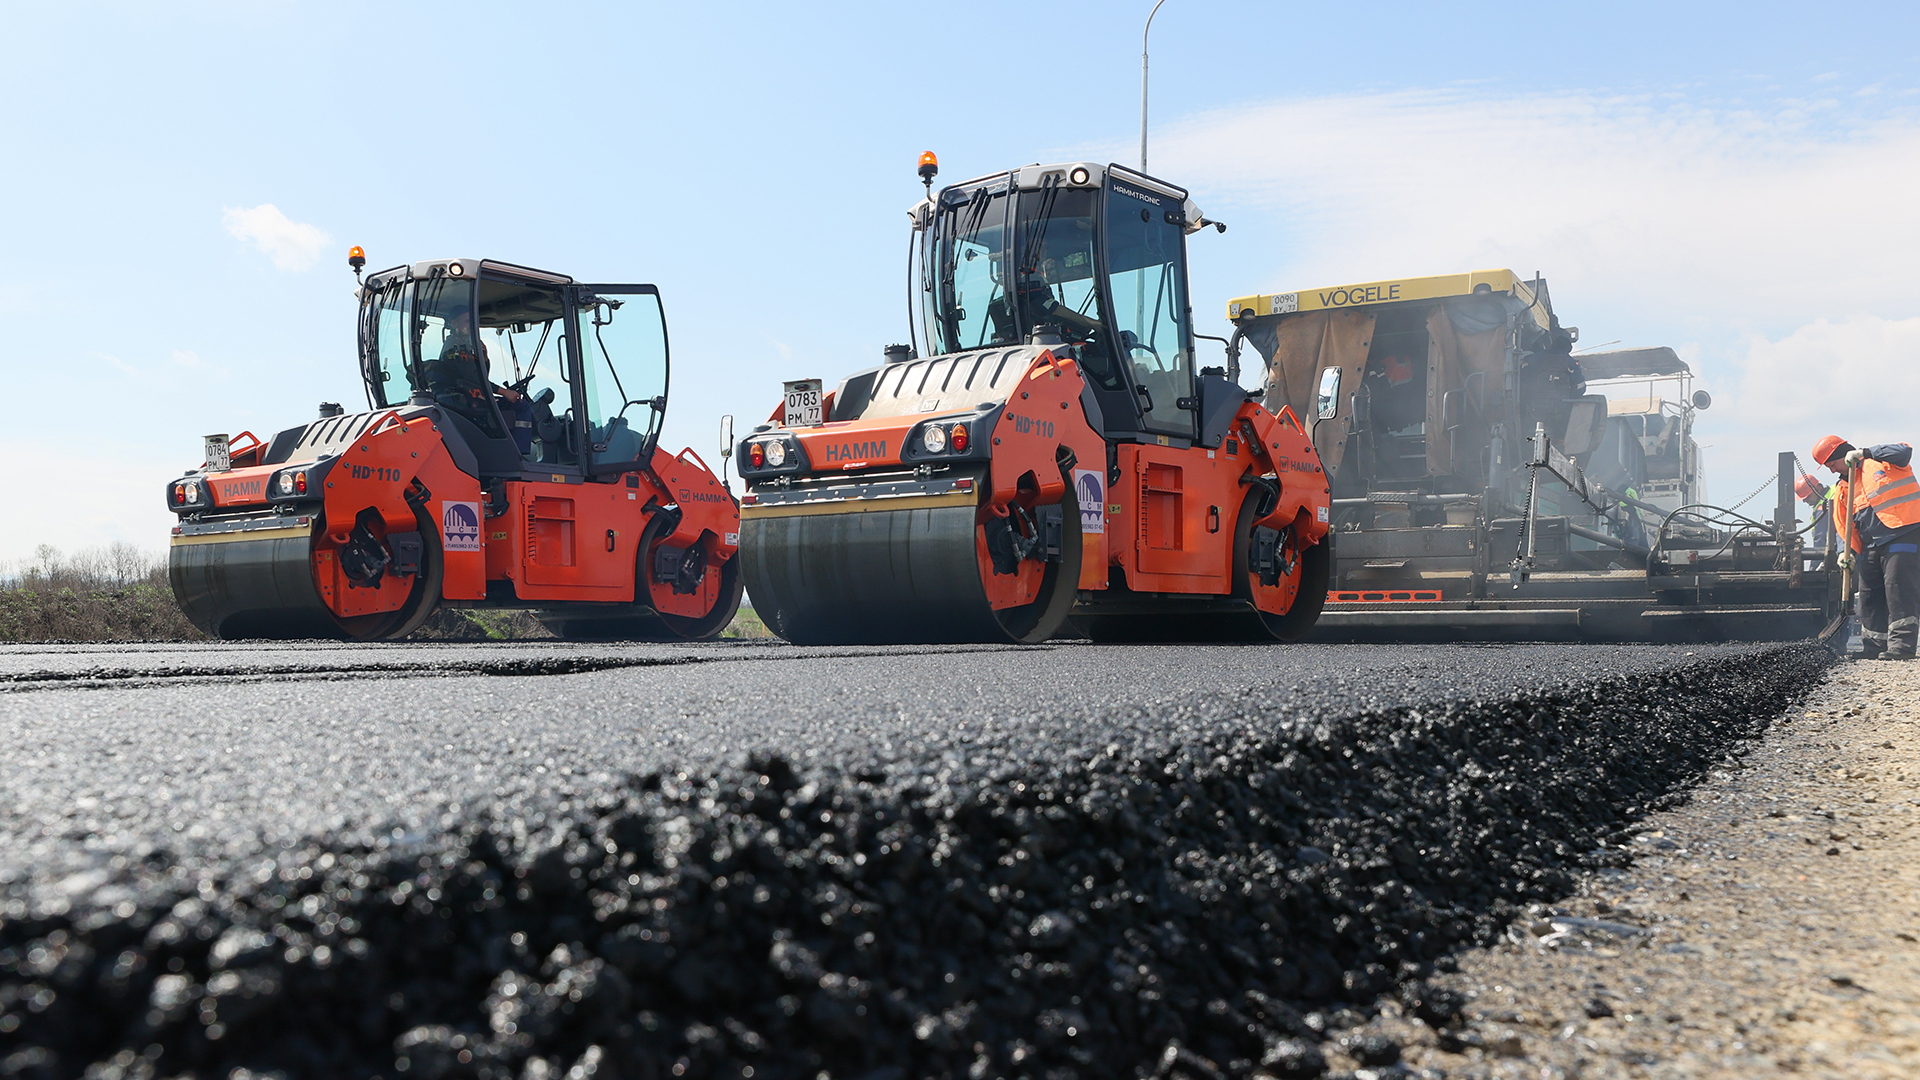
(1132, 343)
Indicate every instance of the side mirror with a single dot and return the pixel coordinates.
(726, 436)
(1702, 400)
(1329, 402)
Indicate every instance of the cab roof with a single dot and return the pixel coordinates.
(1393, 291)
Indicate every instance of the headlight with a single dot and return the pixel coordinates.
(776, 453)
(934, 438)
(290, 484)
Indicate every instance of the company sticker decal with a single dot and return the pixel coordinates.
(733, 539)
(460, 526)
(1320, 514)
(1090, 488)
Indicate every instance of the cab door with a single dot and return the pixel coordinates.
(1147, 283)
(587, 535)
(622, 334)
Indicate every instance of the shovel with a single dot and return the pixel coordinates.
(1846, 572)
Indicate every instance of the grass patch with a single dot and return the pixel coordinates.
(115, 593)
(121, 593)
(748, 626)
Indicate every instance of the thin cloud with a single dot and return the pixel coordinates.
(1757, 216)
(1854, 378)
(1772, 244)
(193, 361)
(118, 364)
(290, 244)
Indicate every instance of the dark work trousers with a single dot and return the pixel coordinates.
(1890, 600)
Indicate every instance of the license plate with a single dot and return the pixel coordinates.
(803, 403)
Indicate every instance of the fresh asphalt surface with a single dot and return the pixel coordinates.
(211, 751)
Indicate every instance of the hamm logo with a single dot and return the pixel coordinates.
(240, 489)
(857, 451)
(460, 526)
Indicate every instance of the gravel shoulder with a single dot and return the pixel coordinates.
(1769, 927)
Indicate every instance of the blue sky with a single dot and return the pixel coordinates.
(1731, 179)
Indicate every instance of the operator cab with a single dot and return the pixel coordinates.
(514, 357)
(1087, 259)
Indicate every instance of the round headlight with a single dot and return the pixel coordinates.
(1078, 175)
(776, 453)
(456, 269)
(193, 491)
(934, 438)
(285, 483)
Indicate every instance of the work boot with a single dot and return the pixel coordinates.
(1893, 655)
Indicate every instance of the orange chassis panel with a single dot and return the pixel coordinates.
(558, 540)
(1169, 520)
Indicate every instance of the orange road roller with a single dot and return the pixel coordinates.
(508, 457)
(1055, 464)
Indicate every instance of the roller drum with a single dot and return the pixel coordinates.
(906, 576)
(250, 588)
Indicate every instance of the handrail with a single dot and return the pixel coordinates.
(682, 457)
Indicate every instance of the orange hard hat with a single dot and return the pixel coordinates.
(1807, 488)
(1823, 450)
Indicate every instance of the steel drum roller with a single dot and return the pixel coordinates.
(254, 587)
(906, 576)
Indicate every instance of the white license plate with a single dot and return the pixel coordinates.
(803, 403)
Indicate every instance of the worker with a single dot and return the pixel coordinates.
(1819, 499)
(1882, 540)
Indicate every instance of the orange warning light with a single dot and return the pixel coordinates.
(929, 166)
(356, 258)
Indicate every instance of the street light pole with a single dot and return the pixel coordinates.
(1143, 83)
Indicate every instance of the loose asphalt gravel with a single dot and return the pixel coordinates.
(761, 861)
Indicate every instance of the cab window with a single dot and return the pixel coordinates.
(523, 334)
(623, 370)
(1146, 260)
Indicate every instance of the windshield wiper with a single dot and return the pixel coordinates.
(1034, 242)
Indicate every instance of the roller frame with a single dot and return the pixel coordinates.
(849, 560)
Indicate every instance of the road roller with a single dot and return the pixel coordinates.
(1053, 463)
(508, 457)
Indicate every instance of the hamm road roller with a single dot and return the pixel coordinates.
(508, 457)
(1055, 463)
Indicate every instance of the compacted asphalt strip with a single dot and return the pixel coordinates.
(751, 860)
(224, 748)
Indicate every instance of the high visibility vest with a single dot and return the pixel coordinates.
(1842, 521)
(1893, 493)
(1890, 491)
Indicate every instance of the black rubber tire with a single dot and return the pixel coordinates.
(1316, 566)
(428, 585)
(640, 622)
(1251, 625)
